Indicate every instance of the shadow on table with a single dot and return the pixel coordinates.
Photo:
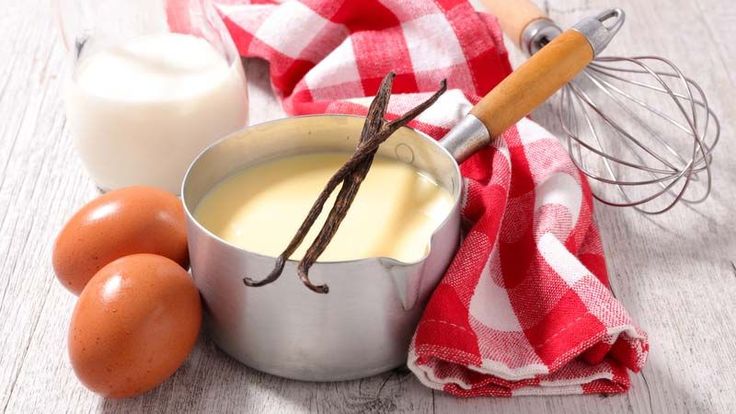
(211, 381)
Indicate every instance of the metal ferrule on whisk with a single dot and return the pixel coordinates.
(538, 34)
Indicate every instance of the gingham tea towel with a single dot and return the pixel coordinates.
(525, 307)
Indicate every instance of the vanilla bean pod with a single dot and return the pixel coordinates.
(374, 119)
(349, 190)
(350, 175)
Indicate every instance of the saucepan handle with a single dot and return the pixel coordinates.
(528, 86)
(534, 82)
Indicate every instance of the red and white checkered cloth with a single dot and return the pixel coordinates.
(525, 307)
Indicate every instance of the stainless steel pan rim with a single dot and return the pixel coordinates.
(456, 191)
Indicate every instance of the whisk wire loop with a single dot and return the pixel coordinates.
(650, 143)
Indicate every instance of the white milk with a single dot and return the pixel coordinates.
(141, 112)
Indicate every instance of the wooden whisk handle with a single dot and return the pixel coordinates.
(514, 16)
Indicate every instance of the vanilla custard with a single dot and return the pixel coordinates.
(261, 207)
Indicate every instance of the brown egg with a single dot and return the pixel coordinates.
(122, 222)
(134, 324)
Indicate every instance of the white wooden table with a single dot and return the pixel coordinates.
(676, 274)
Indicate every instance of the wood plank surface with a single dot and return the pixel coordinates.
(676, 273)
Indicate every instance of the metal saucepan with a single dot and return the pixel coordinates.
(364, 325)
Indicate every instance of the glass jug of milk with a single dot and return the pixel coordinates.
(153, 83)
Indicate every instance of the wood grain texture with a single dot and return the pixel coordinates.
(675, 273)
